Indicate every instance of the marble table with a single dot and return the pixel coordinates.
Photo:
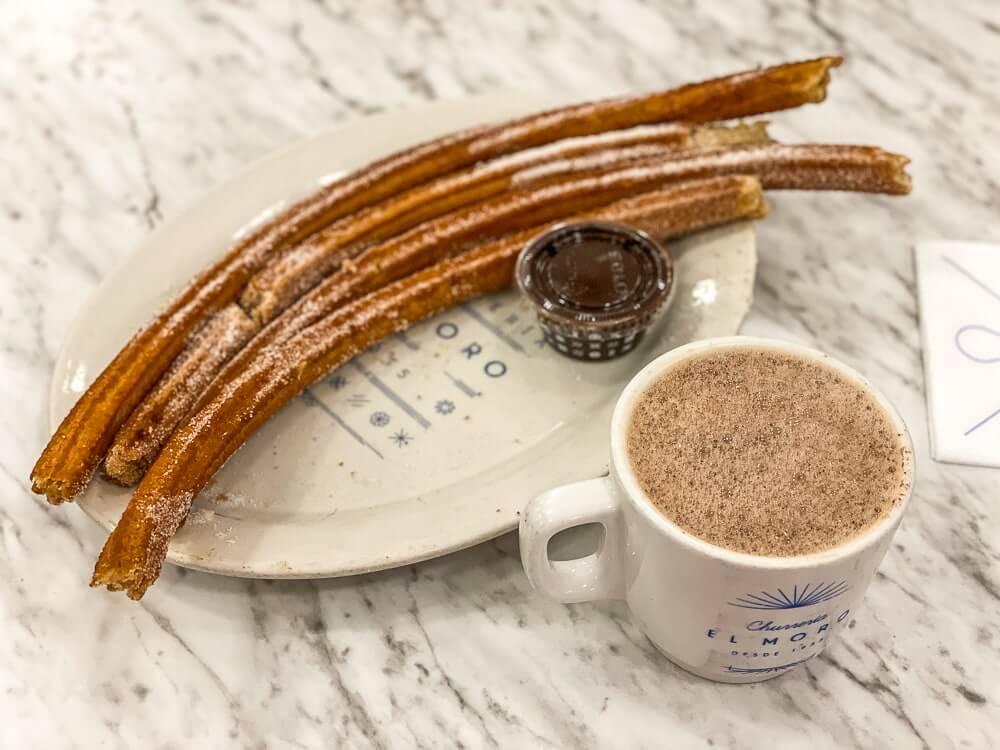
(114, 115)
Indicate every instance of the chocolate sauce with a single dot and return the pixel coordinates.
(597, 287)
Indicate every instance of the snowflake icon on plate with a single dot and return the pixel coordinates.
(401, 438)
(379, 419)
(444, 406)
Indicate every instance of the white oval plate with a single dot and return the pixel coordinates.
(429, 443)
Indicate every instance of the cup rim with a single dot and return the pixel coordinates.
(626, 478)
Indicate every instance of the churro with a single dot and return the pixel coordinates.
(289, 276)
(777, 166)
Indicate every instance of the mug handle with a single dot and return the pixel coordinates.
(597, 576)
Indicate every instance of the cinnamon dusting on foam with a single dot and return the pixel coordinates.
(765, 453)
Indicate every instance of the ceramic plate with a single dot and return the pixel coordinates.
(428, 443)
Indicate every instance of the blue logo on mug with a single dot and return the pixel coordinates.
(811, 594)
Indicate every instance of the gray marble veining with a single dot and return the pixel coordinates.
(113, 115)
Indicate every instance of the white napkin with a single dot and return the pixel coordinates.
(959, 288)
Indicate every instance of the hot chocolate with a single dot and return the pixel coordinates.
(766, 453)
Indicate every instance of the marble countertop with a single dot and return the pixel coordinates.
(114, 115)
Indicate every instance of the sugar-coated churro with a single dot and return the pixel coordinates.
(286, 279)
(777, 166)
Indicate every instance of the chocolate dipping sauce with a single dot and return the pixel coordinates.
(597, 287)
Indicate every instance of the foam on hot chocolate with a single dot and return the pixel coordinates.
(766, 453)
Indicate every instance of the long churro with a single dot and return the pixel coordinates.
(283, 281)
(133, 555)
(778, 166)
(69, 460)
(286, 277)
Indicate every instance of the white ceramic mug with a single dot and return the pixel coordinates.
(723, 615)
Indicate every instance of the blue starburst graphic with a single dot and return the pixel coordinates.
(401, 438)
(379, 419)
(444, 406)
(809, 595)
